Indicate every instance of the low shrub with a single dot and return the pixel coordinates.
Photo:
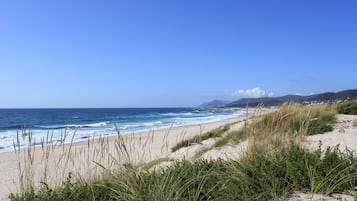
(347, 108)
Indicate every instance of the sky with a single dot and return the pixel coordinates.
(172, 53)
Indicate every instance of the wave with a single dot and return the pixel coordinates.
(12, 127)
(195, 118)
(152, 123)
(100, 124)
(139, 125)
(169, 114)
(177, 114)
(93, 125)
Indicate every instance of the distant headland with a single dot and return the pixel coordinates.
(325, 97)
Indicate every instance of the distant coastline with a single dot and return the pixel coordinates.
(326, 97)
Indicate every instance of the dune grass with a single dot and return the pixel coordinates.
(292, 118)
(263, 174)
(266, 174)
(274, 166)
(218, 132)
(48, 163)
(347, 108)
(156, 162)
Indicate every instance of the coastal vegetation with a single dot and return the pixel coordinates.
(218, 132)
(292, 119)
(275, 165)
(348, 108)
(260, 175)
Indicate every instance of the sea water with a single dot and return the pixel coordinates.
(82, 124)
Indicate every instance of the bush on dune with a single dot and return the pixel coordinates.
(347, 108)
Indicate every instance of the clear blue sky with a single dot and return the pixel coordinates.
(72, 53)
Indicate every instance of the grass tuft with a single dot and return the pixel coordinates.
(347, 108)
(156, 162)
(218, 132)
(317, 126)
(291, 118)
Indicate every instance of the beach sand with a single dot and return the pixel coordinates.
(344, 134)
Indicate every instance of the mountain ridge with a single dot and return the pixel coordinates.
(350, 94)
(214, 103)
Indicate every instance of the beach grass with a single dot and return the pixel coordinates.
(292, 118)
(347, 108)
(154, 163)
(274, 165)
(218, 132)
(260, 175)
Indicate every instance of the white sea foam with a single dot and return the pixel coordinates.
(177, 114)
(87, 125)
(99, 124)
(186, 113)
(169, 114)
(152, 123)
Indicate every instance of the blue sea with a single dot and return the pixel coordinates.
(90, 123)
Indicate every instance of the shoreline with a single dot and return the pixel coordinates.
(133, 132)
(82, 135)
(82, 158)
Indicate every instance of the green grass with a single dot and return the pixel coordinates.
(182, 181)
(233, 136)
(199, 138)
(76, 191)
(263, 174)
(156, 162)
(347, 108)
(319, 126)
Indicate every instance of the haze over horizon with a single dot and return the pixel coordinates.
(172, 53)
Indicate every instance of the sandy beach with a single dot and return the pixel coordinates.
(90, 158)
(97, 157)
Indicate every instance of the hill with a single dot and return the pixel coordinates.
(214, 103)
(275, 101)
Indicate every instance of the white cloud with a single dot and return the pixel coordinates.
(298, 94)
(253, 92)
(271, 94)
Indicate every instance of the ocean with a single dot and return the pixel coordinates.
(91, 123)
